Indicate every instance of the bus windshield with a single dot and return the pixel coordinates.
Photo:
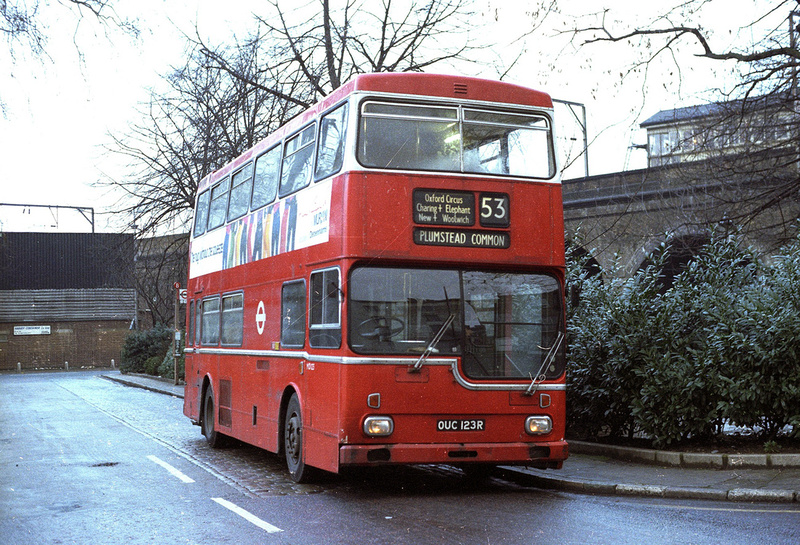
(503, 325)
(455, 139)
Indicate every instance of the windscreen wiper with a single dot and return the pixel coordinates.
(540, 374)
(434, 341)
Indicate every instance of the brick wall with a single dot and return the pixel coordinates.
(82, 344)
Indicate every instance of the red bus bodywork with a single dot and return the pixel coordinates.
(372, 220)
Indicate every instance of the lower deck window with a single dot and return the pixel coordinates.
(232, 319)
(210, 327)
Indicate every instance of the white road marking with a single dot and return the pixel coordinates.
(250, 517)
(174, 472)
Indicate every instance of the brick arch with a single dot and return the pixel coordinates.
(591, 265)
(624, 216)
(682, 249)
(641, 254)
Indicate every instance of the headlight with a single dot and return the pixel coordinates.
(378, 426)
(538, 425)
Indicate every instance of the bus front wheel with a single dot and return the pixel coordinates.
(293, 442)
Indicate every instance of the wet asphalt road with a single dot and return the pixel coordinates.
(85, 460)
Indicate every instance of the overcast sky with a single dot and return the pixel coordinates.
(59, 112)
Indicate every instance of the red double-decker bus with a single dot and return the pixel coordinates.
(381, 281)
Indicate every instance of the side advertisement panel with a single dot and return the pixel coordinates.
(298, 221)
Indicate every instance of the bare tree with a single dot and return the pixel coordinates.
(160, 262)
(25, 31)
(315, 48)
(227, 98)
(19, 26)
(21, 22)
(740, 157)
(201, 121)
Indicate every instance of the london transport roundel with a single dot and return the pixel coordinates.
(261, 317)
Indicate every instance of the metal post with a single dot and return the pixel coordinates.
(81, 210)
(176, 333)
(793, 44)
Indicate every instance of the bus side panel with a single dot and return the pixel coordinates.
(241, 383)
(557, 222)
(537, 224)
(262, 377)
(385, 202)
(321, 415)
(191, 395)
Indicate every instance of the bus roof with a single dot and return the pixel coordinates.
(460, 87)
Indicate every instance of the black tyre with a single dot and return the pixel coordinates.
(293, 442)
(213, 437)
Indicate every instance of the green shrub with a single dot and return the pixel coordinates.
(166, 368)
(139, 346)
(764, 355)
(721, 345)
(684, 388)
(152, 364)
(610, 328)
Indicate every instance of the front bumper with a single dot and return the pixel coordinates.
(547, 454)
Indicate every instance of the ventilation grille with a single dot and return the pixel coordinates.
(225, 397)
(460, 89)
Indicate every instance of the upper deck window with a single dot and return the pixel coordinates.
(265, 185)
(241, 186)
(219, 204)
(455, 139)
(331, 142)
(201, 214)
(298, 157)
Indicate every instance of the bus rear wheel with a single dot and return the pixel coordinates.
(293, 442)
(213, 437)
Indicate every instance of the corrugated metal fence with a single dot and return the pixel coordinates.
(67, 305)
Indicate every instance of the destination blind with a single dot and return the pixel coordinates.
(458, 209)
(467, 238)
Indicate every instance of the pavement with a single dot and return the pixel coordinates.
(607, 470)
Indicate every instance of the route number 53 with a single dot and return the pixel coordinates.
(494, 210)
